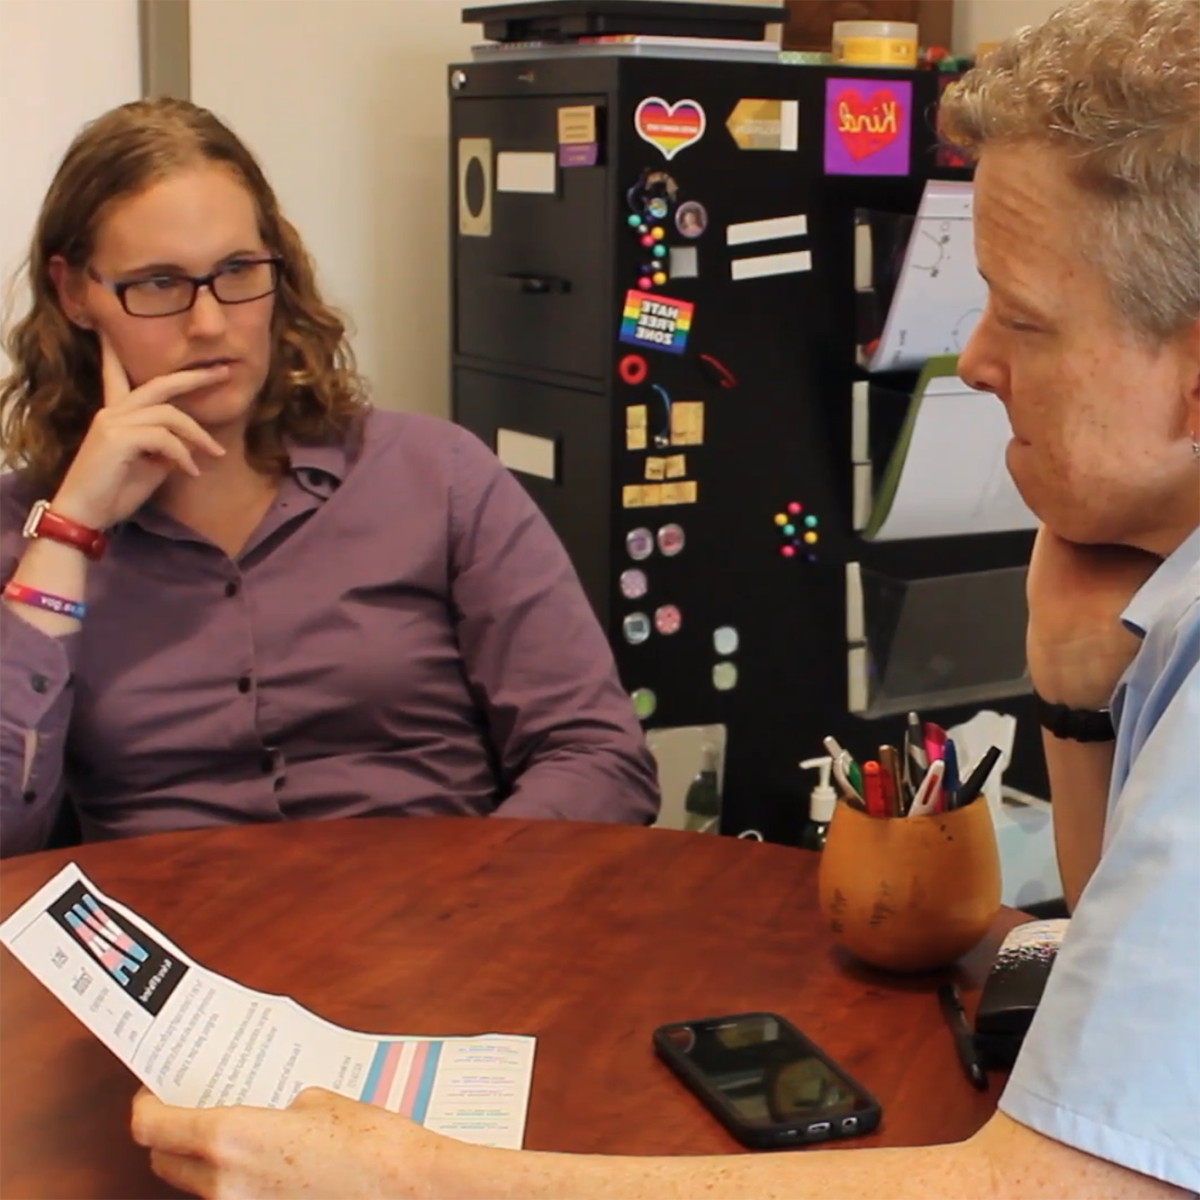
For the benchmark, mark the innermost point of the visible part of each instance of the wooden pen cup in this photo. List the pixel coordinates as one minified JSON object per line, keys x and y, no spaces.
{"x":910,"y":893}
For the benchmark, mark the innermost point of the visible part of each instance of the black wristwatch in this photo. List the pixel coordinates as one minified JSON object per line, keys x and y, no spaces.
{"x":1075,"y":724}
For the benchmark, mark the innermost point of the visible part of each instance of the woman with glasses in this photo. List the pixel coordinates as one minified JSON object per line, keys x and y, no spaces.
{"x":233,"y":591}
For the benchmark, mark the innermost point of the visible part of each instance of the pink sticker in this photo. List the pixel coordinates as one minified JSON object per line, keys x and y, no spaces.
{"x":868,"y":126}
{"x":667,"y":619}
{"x":669,"y":127}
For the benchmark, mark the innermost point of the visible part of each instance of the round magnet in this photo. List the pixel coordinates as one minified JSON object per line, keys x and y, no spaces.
{"x":633,"y":584}
{"x":780,"y":520}
{"x":810,"y":522}
{"x":647,"y":241}
{"x":725,"y":640}
{"x":658,"y":233}
{"x":644,"y":703}
{"x":659,"y":252}
{"x":671,"y":540}
{"x":667,"y":619}
{"x":634,"y":220}
{"x":810,"y":537}
{"x":639,"y":544}
{"x":636,"y":628}
{"x":795,"y":507}
{"x":788,"y":530}
{"x":657,"y":207}
{"x":787,"y":551}
{"x":691,"y":219}
{"x":645,"y":283}
{"x":632,"y":369}
{"x":658,"y":278}
{"x":724,"y":676}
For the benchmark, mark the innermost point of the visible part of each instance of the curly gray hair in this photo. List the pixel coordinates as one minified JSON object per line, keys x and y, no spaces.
{"x":1116,"y":84}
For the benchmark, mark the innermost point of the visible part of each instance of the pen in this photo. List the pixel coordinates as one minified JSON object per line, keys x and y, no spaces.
{"x":964,"y":1042}
{"x":925,"y":801}
{"x":933,"y":738}
{"x":872,"y":793}
{"x":978,"y":777}
{"x":950,"y":775}
{"x":893,"y":785}
{"x":914,"y":751}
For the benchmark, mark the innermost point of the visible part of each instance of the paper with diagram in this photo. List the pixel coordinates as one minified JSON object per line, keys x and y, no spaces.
{"x":200,"y":1040}
{"x":947,"y":474}
{"x":940,"y":294}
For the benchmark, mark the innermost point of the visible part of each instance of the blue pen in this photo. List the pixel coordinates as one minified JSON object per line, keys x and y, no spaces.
{"x":950,"y":777}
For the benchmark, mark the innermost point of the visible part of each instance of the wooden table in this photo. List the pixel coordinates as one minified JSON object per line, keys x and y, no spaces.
{"x":587,"y":936}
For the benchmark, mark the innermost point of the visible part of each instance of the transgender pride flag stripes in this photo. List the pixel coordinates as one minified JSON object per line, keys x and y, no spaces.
{"x":400,"y":1077}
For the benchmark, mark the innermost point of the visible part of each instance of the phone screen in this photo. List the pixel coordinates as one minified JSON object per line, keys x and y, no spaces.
{"x":765,"y":1072}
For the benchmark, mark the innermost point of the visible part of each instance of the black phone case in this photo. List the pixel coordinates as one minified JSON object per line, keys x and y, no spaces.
{"x":800,"y":1133}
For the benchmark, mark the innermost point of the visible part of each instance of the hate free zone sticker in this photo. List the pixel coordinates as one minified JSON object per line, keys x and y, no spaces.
{"x":656,"y":322}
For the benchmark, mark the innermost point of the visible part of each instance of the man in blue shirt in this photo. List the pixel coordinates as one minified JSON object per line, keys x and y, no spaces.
{"x":1087,"y":224}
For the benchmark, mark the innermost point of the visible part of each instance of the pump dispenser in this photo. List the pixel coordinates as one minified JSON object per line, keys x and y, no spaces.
{"x":822,"y":801}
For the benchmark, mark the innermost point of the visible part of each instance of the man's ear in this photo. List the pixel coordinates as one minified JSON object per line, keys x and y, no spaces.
{"x":71,"y":289}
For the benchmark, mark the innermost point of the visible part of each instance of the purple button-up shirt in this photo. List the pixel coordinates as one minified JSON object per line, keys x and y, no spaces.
{"x":403,"y":633}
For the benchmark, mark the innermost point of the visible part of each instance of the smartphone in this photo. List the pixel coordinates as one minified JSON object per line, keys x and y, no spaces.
{"x":765,"y":1081}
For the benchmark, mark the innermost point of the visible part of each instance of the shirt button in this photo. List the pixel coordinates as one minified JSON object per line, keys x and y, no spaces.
{"x":39,"y":683}
{"x":231,"y":589}
{"x":29,"y":796}
{"x":243,"y":684}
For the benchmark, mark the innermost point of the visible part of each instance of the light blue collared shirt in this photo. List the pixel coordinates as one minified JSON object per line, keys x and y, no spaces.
{"x":1111,"y":1063}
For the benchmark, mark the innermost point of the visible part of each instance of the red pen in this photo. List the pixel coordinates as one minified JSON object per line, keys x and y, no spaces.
{"x":873,"y":790}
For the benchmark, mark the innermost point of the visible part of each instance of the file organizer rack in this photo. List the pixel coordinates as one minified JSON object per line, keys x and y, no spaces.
{"x":746,"y":406}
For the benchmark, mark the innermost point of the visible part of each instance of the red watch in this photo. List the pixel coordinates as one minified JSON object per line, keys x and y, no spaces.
{"x":42,"y":523}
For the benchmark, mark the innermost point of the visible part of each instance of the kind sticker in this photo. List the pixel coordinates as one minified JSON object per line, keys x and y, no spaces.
{"x":868,"y":126}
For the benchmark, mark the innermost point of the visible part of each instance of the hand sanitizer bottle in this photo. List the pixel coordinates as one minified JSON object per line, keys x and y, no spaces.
{"x":822,"y":801}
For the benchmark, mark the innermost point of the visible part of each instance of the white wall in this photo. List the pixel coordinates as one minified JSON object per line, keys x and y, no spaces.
{"x":978,"y":21}
{"x":62,"y":62}
{"x":344,"y":104}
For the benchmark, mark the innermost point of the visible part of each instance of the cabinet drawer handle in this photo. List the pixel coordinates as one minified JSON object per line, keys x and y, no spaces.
{"x":535,"y":285}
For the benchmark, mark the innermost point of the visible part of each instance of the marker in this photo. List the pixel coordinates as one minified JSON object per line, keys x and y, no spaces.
{"x":964,"y":1042}
{"x":933,"y":738}
{"x":873,"y":790}
{"x":978,"y":777}
{"x":924,"y":801}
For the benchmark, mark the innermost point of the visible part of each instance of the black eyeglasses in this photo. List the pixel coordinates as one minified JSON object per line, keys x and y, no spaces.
{"x":166,"y":293}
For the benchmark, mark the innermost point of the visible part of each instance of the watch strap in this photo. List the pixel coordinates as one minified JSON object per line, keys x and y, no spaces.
{"x":45,"y":523}
{"x":1075,"y":724}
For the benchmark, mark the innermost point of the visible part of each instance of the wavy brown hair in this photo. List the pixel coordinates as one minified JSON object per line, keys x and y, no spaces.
{"x":312,"y":393}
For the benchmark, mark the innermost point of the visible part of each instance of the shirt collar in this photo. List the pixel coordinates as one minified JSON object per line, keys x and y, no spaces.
{"x":318,"y":469}
{"x":1162,"y":589}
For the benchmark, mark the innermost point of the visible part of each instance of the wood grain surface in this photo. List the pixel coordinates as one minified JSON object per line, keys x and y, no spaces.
{"x":586,"y":936}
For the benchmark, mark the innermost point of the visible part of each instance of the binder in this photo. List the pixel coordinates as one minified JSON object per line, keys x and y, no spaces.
{"x":945,"y":472}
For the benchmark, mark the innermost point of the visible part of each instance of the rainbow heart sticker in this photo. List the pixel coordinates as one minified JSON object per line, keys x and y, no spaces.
{"x":669,"y":127}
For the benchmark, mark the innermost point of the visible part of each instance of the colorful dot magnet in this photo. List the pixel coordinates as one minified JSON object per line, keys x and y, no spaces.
{"x":639,"y":544}
{"x":667,"y":619}
{"x":645,"y":283}
{"x":788,"y":551}
{"x":636,"y":628}
{"x":795,"y":507}
{"x":634,"y":584}
{"x":780,"y":520}
{"x":810,"y":522}
{"x":644,"y":703}
{"x":647,"y":241}
{"x":810,"y":537}
{"x":659,"y":252}
{"x":789,"y":530}
{"x":632,"y":369}
{"x":635,"y":221}
{"x":671,"y":540}
{"x":658,"y":278}
{"x":725,"y":676}
{"x":658,"y":233}
{"x":725,"y":640}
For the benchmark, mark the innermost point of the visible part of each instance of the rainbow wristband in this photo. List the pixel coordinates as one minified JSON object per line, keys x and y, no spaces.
{"x":20,"y":594}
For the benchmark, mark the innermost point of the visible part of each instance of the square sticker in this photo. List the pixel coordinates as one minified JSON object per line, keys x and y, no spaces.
{"x":656,"y":322}
{"x":868,"y":126}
